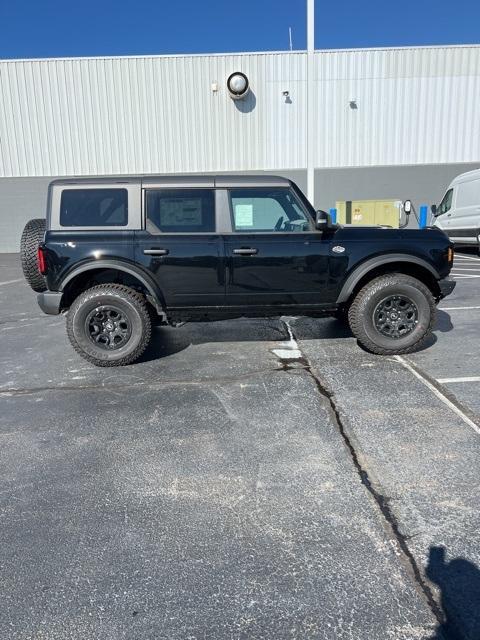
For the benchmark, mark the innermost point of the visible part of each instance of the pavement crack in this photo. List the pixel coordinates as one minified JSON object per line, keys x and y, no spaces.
{"x":94,"y":386}
{"x":391,"y":523}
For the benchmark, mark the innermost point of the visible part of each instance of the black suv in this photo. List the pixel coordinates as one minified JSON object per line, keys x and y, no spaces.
{"x":122,"y":254}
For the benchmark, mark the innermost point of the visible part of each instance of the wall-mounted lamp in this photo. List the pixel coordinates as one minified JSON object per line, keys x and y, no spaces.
{"x":238,"y":85}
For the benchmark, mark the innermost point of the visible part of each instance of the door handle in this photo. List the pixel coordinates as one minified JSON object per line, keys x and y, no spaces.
{"x":156,"y":252}
{"x":246,"y":252}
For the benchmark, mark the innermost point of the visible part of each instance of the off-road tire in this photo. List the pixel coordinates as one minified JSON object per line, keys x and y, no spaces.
{"x":131,"y":303}
{"x":362,"y":309}
{"x":32,"y":235}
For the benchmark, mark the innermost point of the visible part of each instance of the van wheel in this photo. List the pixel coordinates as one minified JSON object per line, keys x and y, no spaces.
{"x":109,"y":325}
{"x":392,"y":314}
{"x":33,"y":234}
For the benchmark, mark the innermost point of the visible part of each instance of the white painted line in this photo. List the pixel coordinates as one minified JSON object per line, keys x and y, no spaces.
{"x":463,"y":276}
{"x":457,"y":308}
{"x":465,"y":379}
{"x":462,"y":257}
{"x":11,"y":281}
{"x":439,"y":395}
{"x":467,"y":268}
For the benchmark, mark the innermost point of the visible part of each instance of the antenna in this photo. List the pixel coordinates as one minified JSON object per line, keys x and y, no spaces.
{"x":290,"y":37}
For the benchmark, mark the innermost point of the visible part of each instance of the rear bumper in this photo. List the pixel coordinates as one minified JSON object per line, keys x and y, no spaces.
{"x":50,"y":301}
{"x":447,"y":285}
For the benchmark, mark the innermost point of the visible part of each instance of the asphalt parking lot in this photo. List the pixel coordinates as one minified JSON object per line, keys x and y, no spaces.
{"x":246,"y":479}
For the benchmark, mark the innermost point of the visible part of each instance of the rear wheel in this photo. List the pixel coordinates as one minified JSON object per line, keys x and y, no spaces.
{"x":392,"y":314}
{"x":109,"y":325}
{"x":33,"y":234}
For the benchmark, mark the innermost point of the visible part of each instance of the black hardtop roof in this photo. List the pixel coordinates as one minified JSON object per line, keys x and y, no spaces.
{"x":172,"y":181}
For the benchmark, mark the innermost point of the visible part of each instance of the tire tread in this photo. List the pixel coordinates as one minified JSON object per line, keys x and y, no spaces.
{"x":355,"y":313}
{"x":122,"y":291}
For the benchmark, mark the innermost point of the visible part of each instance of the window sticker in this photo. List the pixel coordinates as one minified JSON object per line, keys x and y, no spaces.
{"x":180,"y":212}
{"x":244,"y":215}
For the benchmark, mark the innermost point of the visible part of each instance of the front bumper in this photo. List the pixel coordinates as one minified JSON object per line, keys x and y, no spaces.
{"x":50,"y":301}
{"x":447,"y":285}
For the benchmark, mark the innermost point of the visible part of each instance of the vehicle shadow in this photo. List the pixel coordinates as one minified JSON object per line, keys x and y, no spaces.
{"x":167,"y":341}
{"x":459,"y":584}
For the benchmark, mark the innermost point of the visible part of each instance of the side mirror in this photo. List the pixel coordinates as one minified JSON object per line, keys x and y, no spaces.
{"x":322,"y":220}
{"x":434,"y":209}
{"x":407,"y":207}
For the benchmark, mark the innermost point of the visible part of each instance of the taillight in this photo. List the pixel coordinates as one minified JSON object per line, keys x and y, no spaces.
{"x":41,"y":261}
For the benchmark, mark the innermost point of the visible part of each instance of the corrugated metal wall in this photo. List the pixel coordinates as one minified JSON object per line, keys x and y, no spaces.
{"x":159,"y":114}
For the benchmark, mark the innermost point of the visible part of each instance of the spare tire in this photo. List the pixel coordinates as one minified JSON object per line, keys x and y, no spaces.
{"x":32,"y":235}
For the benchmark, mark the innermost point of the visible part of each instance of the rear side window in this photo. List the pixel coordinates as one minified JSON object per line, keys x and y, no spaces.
{"x":180,"y":210}
{"x":94,"y":208}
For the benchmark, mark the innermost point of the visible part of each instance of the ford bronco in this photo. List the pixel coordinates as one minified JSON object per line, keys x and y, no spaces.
{"x":120,"y":255}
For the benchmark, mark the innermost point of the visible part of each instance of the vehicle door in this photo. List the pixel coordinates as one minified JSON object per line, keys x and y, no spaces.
{"x":274,"y":254}
{"x":180,"y":246}
{"x":444,"y":212}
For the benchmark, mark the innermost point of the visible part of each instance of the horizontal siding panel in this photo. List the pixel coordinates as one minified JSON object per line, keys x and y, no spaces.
{"x":104,"y":116}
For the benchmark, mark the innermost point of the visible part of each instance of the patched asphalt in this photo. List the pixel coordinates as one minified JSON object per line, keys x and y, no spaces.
{"x":222,"y":489}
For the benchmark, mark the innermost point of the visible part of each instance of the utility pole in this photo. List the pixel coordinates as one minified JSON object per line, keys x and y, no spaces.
{"x":311,"y":128}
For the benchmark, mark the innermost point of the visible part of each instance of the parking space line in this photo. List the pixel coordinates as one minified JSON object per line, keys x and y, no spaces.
{"x":457,"y":308}
{"x":466,"y":256}
{"x":463,"y":276}
{"x":10,"y":281}
{"x":464,"y":379}
{"x":439,"y":394}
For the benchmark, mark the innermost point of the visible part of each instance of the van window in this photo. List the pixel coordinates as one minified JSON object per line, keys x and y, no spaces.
{"x":446,"y":203}
{"x":468,"y":194}
{"x":94,"y":208}
{"x":180,"y":210}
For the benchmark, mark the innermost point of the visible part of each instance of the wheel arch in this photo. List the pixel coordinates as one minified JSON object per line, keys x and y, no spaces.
{"x":392,"y":263}
{"x":116,"y":271}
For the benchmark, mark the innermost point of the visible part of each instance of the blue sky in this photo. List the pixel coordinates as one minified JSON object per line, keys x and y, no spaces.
{"x":55,"y":28}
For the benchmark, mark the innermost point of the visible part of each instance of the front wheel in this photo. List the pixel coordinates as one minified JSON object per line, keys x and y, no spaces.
{"x":109,"y":325}
{"x":392,"y":314}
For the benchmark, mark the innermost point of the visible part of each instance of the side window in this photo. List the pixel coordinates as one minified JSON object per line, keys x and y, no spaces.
{"x":267,"y":210}
{"x":94,"y":208}
{"x":180,"y":210}
{"x":468,"y":194}
{"x":446,"y":203}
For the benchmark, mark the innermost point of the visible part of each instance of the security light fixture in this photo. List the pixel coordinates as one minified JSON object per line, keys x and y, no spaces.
{"x":238,"y":85}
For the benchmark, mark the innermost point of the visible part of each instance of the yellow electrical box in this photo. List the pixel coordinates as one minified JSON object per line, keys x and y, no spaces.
{"x":368,"y":212}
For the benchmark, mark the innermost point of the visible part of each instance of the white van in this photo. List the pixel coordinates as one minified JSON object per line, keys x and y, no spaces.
{"x":458,"y":214}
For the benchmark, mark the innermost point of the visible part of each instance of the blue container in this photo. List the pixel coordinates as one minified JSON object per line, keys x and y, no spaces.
{"x":423,"y":216}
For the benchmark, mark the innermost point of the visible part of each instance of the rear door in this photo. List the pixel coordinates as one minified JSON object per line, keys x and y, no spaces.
{"x":275,"y":257}
{"x":180,"y":246}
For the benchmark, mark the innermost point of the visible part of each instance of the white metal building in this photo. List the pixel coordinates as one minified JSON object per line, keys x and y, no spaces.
{"x":389,"y":123}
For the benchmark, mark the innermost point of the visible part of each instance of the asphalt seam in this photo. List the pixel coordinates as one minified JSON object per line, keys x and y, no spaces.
{"x":382,"y":501}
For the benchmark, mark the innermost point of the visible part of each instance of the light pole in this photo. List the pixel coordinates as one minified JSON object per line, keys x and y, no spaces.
{"x":311,"y":139}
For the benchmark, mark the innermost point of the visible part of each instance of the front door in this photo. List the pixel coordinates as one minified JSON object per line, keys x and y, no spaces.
{"x":275,"y":257}
{"x":180,"y":246}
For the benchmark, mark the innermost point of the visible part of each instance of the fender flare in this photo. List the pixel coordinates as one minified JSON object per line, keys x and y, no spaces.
{"x":120,"y":265}
{"x":361,"y":270}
